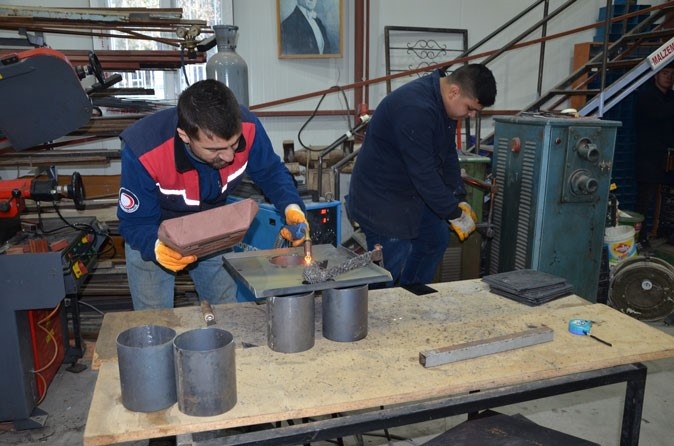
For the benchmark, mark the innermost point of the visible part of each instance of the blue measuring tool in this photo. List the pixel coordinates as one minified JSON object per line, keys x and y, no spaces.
{"x":583,"y":327}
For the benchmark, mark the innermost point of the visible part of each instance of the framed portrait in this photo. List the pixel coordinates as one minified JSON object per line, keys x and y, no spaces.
{"x":309,"y":28}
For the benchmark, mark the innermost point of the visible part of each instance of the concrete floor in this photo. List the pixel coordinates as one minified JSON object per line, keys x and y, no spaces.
{"x":594,"y":415}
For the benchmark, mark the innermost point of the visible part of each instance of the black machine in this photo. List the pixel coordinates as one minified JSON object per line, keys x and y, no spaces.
{"x":43,"y":262}
{"x":36,"y":281}
{"x":43,"y":187}
{"x":42,"y":96}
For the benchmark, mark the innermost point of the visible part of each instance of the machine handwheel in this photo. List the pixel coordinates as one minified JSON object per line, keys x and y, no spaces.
{"x":76,"y":190}
{"x":96,"y":67}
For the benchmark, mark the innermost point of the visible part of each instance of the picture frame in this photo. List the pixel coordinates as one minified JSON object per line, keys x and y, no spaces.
{"x":298,"y":39}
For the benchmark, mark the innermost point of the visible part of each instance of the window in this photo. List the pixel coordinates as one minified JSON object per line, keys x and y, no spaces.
{"x":166,"y":84}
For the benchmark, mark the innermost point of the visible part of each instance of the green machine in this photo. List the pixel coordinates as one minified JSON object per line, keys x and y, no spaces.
{"x":552,"y":176}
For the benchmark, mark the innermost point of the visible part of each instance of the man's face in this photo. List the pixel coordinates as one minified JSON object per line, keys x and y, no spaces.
{"x":212,"y":150}
{"x":309,"y":4}
{"x":459,"y":106}
{"x":664,"y":79}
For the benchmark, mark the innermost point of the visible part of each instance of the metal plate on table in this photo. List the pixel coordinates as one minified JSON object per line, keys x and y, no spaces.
{"x":278,"y":272}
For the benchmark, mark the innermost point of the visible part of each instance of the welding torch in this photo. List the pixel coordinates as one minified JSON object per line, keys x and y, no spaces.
{"x":299,"y":233}
{"x":308,"y":246}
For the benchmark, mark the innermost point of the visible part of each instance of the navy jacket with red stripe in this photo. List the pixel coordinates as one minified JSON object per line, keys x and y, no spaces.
{"x":160,"y":179}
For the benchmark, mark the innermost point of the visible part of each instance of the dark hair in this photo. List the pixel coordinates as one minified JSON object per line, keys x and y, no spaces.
{"x":476,"y":81}
{"x":211,"y":107}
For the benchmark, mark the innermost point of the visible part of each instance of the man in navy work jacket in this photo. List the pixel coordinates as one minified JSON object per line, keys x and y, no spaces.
{"x":185,"y":160}
{"x":406,"y":184}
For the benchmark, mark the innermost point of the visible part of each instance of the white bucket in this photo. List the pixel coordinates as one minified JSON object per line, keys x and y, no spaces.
{"x":620,"y":243}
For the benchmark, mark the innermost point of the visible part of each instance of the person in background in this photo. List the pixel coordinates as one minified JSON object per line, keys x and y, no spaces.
{"x":654,"y":124}
{"x":302,"y":32}
{"x":184,"y":160}
{"x":406,"y":184}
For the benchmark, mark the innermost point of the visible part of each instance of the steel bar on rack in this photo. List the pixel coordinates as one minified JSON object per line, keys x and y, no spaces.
{"x":133,"y":60}
{"x":84,"y":32}
{"x":98,"y":14}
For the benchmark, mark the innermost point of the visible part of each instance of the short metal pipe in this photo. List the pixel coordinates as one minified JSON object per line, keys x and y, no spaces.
{"x":205,"y":371}
{"x":290,"y":323}
{"x":345,"y":313}
{"x":146,"y":373}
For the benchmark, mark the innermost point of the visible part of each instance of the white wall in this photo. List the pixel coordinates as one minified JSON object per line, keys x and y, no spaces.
{"x":271,"y":78}
{"x":516,"y":73}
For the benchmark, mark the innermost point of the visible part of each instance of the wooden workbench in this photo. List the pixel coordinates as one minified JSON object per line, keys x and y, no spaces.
{"x":381,"y":370}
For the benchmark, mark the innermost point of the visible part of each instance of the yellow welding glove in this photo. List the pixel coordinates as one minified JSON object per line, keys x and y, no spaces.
{"x":295,"y":216}
{"x":465,"y":207}
{"x":464,"y":225}
{"x":296,"y":225}
{"x":171,"y":259}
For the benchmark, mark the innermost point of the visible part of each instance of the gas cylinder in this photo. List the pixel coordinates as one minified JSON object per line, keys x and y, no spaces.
{"x":226,"y":65}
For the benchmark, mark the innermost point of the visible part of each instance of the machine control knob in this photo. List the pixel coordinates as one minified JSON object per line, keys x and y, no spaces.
{"x":588,"y":151}
{"x":582,"y":183}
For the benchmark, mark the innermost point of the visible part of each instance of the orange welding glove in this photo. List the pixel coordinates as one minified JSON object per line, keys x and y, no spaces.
{"x":171,"y":259}
{"x":294,"y":217}
{"x":465,"y":224}
{"x":287,"y":235}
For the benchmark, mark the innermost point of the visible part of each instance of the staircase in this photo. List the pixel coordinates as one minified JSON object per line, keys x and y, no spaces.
{"x":626,"y":56}
{"x":604,"y":85}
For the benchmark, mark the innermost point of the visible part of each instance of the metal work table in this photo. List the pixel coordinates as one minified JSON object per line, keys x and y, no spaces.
{"x":356,"y":379}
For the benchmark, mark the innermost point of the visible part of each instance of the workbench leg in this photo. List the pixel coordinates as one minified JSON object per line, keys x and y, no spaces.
{"x":476,"y":414}
{"x":634,"y":404}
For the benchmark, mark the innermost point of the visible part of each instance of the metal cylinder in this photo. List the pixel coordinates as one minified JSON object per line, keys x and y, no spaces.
{"x":226,"y":65}
{"x":290,"y":323}
{"x":345,"y":313}
{"x":205,"y":371}
{"x":146,"y":371}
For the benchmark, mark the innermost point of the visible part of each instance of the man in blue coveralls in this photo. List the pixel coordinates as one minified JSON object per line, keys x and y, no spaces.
{"x":184,"y":160}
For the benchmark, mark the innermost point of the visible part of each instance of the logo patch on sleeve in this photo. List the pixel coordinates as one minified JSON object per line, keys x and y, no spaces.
{"x":128,"y":202}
